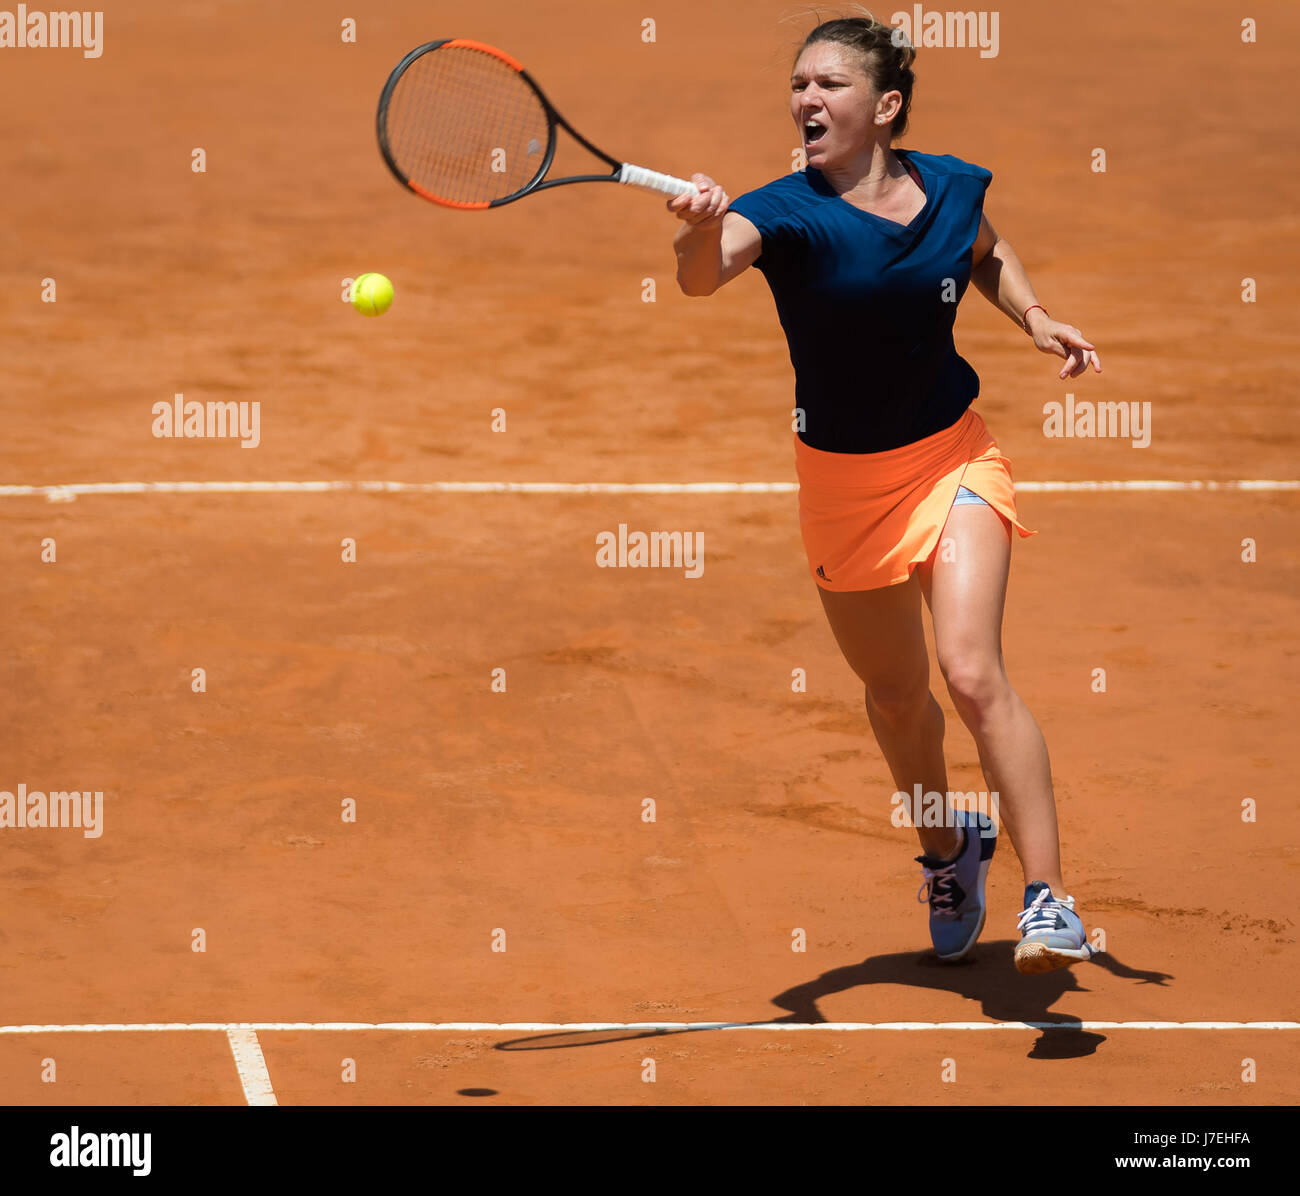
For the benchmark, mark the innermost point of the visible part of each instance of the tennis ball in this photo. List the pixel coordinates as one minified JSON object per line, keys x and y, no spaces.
{"x":372,"y":294}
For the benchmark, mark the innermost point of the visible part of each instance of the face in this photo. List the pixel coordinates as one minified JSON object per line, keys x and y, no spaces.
{"x":833,"y":104}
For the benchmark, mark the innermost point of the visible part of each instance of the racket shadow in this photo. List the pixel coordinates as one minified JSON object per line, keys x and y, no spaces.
{"x":564,"y":1039}
{"x":987,"y":976}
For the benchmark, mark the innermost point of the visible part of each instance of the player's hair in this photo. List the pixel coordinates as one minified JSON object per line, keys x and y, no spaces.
{"x":887,"y":56}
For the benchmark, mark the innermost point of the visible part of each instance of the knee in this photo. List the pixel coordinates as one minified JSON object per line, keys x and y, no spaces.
{"x":976,"y":682}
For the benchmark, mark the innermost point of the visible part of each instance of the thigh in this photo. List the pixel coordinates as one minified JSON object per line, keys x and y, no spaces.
{"x":881,"y":636}
{"x":965,"y":585}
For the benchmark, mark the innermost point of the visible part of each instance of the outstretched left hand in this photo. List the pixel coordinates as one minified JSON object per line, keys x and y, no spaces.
{"x":1065,"y":340}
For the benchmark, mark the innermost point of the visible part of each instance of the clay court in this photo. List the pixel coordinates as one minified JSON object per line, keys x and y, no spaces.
{"x":371,"y":941}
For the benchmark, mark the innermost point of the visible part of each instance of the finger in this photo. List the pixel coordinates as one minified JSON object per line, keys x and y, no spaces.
{"x":702,"y":181}
{"x":700,"y":202}
{"x":1072,"y":336}
{"x":1069,"y":366}
{"x":1096,"y":362}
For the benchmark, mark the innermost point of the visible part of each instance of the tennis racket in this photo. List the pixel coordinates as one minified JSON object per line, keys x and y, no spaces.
{"x":463,"y":124}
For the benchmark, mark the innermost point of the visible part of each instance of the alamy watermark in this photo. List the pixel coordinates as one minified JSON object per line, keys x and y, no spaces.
{"x":186,"y":420}
{"x":83,"y":1148}
{"x":60,"y":809}
{"x":947,"y":29}
{"x":928,"y":807}
{"x":1087,"y":420}
{"x":75,"y":30}
{"x":651,"y":550}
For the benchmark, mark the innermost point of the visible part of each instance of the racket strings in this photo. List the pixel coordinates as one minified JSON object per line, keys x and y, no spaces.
{"x":466,"y":127}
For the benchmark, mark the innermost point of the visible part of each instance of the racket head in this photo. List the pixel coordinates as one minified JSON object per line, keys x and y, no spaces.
{"x":462,"y":124}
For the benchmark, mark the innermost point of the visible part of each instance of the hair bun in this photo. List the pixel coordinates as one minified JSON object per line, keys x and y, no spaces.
{"x":903,"y":47}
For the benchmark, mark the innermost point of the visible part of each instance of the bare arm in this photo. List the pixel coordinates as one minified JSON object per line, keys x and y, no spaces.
{"x":712,"y":245}
{"x":1001,"y":279}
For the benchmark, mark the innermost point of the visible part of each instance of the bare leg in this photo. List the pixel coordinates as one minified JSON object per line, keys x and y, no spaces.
{"x":965,"y":586}
{"x":881,"y":636}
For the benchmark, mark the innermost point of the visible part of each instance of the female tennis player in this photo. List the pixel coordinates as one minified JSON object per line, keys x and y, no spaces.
{"x":903,"y":493}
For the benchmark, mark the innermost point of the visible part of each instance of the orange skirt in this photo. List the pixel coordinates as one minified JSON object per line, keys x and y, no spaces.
{"x":868,"y":519}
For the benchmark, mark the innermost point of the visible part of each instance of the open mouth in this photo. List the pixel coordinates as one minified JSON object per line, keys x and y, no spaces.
{"x":812,"y":132}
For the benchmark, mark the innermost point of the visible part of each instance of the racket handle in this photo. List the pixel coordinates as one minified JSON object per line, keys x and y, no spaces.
{"x":652,"y":180}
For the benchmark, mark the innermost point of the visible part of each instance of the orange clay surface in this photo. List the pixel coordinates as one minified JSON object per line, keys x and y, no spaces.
{"x":522,"y":810}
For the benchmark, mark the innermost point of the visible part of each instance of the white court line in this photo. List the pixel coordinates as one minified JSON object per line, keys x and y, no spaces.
{"x":71,"y":491}
{"x":251,"y":1065}
{"x":252,"y":1028}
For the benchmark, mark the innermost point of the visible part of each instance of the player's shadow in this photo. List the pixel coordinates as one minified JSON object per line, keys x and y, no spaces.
{"x":987,"y":975}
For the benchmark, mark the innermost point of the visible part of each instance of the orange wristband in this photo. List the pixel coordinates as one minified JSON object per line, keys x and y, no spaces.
{"x":1028,"y":310}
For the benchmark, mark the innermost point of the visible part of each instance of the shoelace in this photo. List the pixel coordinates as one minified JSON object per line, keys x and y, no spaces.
{"x":1044,"y":913}
{"x":937,"y":887}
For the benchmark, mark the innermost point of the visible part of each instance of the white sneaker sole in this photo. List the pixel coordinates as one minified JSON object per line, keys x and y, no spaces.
{"x":1033,"y":959}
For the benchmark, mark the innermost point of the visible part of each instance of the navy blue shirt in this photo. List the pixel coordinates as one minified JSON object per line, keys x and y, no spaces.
{"x":868,"y":304}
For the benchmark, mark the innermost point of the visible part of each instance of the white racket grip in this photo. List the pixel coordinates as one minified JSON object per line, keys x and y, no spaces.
{"x":652,"y":180}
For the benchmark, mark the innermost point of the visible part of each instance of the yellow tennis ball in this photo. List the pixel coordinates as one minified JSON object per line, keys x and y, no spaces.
{"x":372,"y":294}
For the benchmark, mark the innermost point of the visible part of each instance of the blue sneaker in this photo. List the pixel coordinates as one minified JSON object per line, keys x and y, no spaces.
{"x":955,"y":888}
{"x":1051,"y":932}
